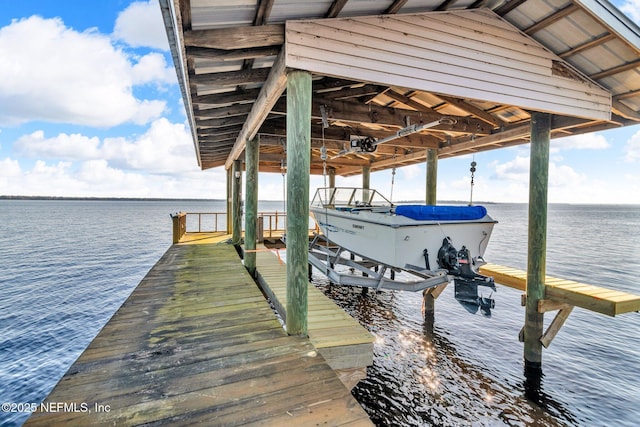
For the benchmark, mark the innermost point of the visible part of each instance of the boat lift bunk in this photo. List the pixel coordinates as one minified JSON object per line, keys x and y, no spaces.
{"x":327,"y":258}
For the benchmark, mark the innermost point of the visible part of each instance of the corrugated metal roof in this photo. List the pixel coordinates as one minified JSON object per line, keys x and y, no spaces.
{"x":224,"y":50}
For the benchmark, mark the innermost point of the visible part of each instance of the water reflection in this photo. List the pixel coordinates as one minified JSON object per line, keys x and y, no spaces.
{"x":422,"y":376}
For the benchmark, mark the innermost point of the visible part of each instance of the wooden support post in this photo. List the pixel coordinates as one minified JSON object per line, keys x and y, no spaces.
{"x":237,"y":202}
{"x":332,"y":177}
{"x":179,"y":226}
{"x":366,"y":182}
{"x":298,"y":170}
{"x":229,"y":200}
{"x":537,"y":239}
{"x":432,"y":175}
{"x":251,"y":208}
{"x":366,"y":177}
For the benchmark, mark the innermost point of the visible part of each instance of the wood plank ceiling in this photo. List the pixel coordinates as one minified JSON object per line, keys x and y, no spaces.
{"x":226,"y":62}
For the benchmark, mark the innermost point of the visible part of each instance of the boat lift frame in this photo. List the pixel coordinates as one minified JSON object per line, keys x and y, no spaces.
{"x":325,"y":255}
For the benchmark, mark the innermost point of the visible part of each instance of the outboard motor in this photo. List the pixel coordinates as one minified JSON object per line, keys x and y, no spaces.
{"x":459,"y":265}
{"x":448,"y":257}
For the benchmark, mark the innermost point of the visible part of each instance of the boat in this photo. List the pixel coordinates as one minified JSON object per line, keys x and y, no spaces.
{"x":437,"y":243}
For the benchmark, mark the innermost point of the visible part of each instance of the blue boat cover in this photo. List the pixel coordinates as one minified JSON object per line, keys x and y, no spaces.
{"x":441,"y":213}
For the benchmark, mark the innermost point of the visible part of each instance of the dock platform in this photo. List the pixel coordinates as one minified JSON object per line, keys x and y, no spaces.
{"x":594,"y":298}
{"x":197,"y":343}
{"x":345,"y":344}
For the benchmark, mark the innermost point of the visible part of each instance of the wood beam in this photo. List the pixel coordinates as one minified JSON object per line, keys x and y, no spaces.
{"x":335,"y":8}
{"x":349,"y":93}
{"x":236,"y":37}
{"x":262,"y":12}
{"x":472,"y":109}
{"x":223,"y":55}
{"x":521,"y":131}
{"x":555,"y":17}
{"x":555,"y":326}
{"x":185,"y":14}
{"x":406,"y":100}
{"x":342,"y":134}
{"x":508,"y":7}
{"x":616,"y":70}
{"x":588,"y":45}
{"x":219,"y":113}
{"x":269,"y":95}
{"x":395,"y":7}
{"x":353,"y":112}
{"x":445,"y":5}
{"x":219,"y":123}
{"x":226,"y":97}
{"x":231,"y":78}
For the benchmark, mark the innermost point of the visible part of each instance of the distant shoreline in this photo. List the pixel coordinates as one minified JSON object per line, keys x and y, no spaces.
{"x":161,"y":199}
{"x":116,"y":199}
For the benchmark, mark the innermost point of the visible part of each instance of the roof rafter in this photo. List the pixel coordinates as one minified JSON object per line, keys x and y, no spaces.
{"x":273,"y":87}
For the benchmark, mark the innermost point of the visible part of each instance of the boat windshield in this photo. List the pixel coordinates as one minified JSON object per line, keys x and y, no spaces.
{"x":349,"y":198}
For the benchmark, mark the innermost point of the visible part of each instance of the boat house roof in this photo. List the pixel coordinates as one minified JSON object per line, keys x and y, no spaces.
{"x":381,"y":65}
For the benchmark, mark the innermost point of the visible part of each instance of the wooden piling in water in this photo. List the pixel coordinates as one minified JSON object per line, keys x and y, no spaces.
{"x":432,"y":175}
{"x":229,"y":200}
{"x":298,"y":169}
{"x":251,"y":208}
{"x":237,"y":202}
{"x":537,"y":239}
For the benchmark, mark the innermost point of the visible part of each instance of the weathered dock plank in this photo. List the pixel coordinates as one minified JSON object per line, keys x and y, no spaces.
{"x":345,"y":344}
{"x":196,"y":342}
{"x":595,"y":298}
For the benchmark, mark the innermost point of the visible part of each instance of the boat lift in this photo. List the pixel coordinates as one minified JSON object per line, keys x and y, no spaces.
{"x":326,"y":256}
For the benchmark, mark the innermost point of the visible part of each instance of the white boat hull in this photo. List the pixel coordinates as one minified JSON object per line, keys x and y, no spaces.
{"x":399,"y":241}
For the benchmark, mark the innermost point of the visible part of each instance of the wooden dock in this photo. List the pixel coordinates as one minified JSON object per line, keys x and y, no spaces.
{"x":594,"y":298}
{"x":197,"y":343}
{"x":345,"y":344}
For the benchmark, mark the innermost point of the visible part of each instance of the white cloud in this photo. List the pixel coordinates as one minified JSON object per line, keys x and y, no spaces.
{"x":9,"y":168}
{"x":165,"y":148}
{"x":141,"y":25}
{"x":153,"y":68}
{"x":63,"y":146}
{"x":516,"y":170}
{"x":96,"y":178}
{"x":632,"y":9}
{"x":588,"y":141}
{"x":564,"y":176}
{"x":53,"y":73}
{"x":632,"y":148}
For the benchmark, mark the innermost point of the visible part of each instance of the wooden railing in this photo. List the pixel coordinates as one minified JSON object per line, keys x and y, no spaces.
{"x":270,"y":224}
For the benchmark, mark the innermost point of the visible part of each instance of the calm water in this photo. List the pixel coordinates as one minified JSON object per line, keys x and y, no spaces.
{"x":68,"y":265}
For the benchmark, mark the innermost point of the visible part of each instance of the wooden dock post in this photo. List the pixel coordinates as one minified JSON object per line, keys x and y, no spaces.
{"x":229,"y":200}
{"x":332,"y":177}
{"x":251,"y":208}
{"x":432,"y":175}
{"x":237,"y":202}
{"x":428,"y":298}
{"x":537,"y":240}
{"x":298,"y":170}
{"x":366,"y":177}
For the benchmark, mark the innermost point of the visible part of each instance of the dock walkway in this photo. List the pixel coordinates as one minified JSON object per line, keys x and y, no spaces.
{"x":196,"y":342}
{"x":345,"y":344}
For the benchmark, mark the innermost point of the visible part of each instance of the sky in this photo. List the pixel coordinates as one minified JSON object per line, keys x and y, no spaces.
{"x":90,"y":107}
